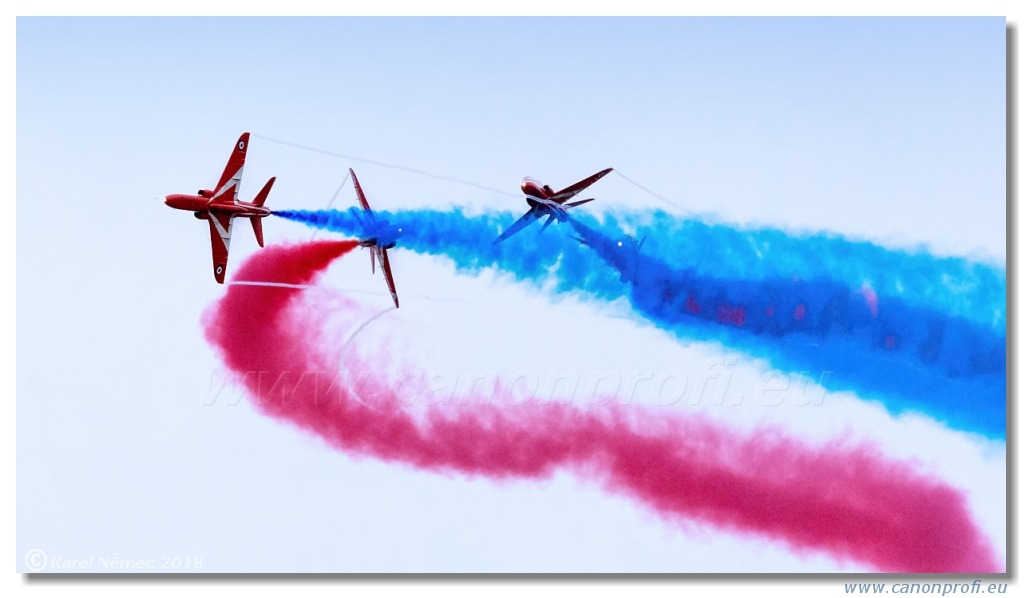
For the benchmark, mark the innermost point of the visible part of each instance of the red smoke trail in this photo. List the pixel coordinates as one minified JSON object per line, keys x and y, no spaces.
{"x":847,"y":501}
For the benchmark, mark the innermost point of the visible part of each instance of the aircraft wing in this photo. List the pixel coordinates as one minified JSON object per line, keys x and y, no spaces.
{"x":359,"y":191}
{"x":220,"y":241}
{"x":385,"y":265}
{"x":574,"y":189}
{"x":526,"y":220}
{"x":226,"y":190}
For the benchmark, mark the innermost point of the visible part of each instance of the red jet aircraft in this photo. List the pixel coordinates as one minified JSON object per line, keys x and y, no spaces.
{"x":545,"y":201}
{"x":221,"y":206}
{"x":377,"y":234}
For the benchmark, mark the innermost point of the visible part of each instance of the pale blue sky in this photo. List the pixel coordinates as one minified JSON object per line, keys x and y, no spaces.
{"x":886,"y":129}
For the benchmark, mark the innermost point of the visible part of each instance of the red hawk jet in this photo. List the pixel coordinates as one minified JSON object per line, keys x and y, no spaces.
{"x":220,"y":207}
{"x":378,"y":234}
{"x":545,"y":201}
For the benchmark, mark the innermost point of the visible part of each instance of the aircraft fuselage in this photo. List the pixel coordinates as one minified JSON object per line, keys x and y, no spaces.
{"x":203,"y":204}
{"x":537,"y":198}
{"x":374,"y":242}
{"x":375,"y":232}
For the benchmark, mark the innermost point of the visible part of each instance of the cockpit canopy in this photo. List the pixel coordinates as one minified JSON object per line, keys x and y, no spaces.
{"x":531,"y":186}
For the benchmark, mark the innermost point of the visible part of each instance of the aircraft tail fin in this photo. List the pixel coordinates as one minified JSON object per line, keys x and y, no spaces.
{"x":257,"y":229}
{"x":261,"y":197}
{"x":578,"y":203}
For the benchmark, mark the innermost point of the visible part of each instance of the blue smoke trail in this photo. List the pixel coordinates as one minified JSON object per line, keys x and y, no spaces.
{"x":914,"y":331}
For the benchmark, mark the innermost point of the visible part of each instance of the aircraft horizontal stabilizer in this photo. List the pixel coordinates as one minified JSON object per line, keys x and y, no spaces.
{"x":578,"y":203}
{"x":257,"y":229}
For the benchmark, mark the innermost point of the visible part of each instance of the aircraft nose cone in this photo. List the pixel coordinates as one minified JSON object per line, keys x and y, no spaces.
{"x":173,"y":200}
